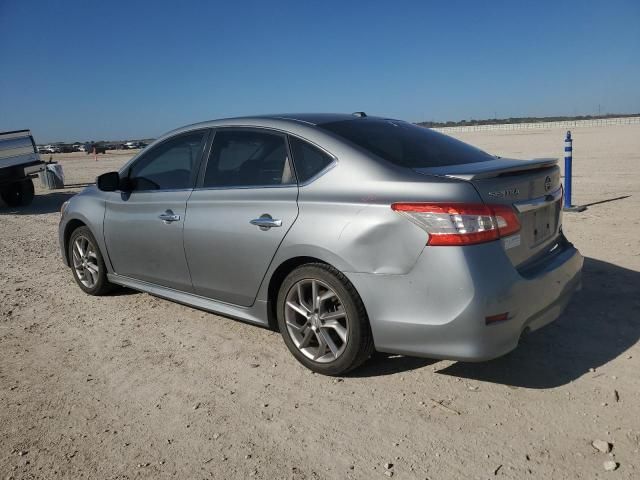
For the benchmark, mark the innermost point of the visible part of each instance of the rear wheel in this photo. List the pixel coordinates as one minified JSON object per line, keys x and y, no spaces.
{"x":18,"y":194}
{"x":87,"y":263}
{"x":323,"y":320}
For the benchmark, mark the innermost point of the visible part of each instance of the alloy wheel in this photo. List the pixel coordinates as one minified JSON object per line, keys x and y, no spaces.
{"x":316,"y":320}
{"x":85,"y":261}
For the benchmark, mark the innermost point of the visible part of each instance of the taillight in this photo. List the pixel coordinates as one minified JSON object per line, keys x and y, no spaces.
{"x":460,"y":223}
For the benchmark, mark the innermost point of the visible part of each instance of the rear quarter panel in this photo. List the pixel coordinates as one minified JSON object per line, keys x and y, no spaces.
{"x":345,"y":217}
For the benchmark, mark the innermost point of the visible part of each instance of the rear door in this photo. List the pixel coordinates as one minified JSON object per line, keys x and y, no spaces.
{"x":143,"y":227}
{"x":245,"y":203}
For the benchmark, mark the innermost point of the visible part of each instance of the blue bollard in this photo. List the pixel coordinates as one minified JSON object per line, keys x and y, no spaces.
{"x":568,"y":160}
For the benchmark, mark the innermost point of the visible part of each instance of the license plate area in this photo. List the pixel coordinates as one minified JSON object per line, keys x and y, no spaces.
{"x":543,"y":223}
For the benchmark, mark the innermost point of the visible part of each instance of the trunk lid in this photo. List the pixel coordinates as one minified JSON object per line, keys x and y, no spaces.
{"x":531,"y":187}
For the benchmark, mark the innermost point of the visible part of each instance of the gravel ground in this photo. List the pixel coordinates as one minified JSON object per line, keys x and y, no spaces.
{"x":131,"y":386}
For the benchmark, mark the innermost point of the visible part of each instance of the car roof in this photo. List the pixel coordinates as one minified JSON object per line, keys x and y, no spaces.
{"x":293,"y":121}
{"x":309,"y":119}
{"x":314,"y":118}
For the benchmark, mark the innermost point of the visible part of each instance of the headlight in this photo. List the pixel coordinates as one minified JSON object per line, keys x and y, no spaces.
{"x":63,"y":208}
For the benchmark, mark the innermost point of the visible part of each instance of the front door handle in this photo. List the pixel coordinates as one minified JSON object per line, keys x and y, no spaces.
{"x":169,"y":216}
{"x":265,"y":222}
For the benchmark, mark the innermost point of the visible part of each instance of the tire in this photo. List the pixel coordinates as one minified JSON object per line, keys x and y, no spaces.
{"x":347,"y":338}
{"x":18,"y":194}
{"x":88,"y":271}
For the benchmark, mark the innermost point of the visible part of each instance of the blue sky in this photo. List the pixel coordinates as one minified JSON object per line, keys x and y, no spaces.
{"x":112,"y":70}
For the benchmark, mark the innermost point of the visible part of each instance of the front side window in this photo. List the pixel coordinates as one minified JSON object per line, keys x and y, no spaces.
{"x":169,"y":166}
{"x":242,"y":158}
{"x":308,"y":160}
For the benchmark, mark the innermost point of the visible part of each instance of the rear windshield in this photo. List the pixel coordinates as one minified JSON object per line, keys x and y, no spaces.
{"x":405,"y":144}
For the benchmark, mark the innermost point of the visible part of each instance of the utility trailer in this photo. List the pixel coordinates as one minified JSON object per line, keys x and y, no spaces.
{"x":19,"y":163}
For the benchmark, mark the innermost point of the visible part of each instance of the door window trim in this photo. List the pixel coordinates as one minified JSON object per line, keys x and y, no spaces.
{"x":208,"y":134}
{"x":205,"y":161}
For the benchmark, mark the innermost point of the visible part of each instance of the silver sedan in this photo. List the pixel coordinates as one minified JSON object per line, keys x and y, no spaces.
{"x":348,"y":233}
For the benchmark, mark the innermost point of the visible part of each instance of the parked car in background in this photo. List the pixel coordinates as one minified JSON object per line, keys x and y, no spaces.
{"x":89,"y":148}
{"x":49,"y":149}
{"x":351,"y":233}
{"x":19,"y":162}
{"x":132,"y":145}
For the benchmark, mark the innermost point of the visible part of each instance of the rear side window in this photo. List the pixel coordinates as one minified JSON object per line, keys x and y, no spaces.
{"x":405,"y":144}
{"x":171,"y":165}
{"x":308,"y":160}
{"x":241,"y":158}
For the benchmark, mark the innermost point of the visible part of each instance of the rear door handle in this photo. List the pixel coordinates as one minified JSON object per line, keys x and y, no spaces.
{"x":265,"y":222}
{"x":169,"y":216}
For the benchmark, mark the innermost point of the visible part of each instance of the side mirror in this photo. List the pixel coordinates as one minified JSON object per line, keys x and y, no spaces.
{"x":108,"y":182}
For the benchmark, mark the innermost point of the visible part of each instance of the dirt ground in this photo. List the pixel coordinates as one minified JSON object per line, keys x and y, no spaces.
{"x":131,"y":386}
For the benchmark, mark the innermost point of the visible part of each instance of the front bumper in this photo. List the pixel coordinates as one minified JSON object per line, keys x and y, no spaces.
{"x":438,"y":310}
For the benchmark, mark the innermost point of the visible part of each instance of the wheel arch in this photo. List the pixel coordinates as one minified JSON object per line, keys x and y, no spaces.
{"x":276,"y":279}
{"x":69,"y":228}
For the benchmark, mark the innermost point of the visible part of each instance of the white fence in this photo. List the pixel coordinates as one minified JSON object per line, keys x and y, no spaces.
{"x":543,"y":125}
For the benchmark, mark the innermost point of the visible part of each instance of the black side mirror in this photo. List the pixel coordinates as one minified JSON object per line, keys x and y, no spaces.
{"x":108,"y":182}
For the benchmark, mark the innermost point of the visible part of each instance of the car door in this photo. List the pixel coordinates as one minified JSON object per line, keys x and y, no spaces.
{"x":245,"y":203}
{"x":143,"y":226}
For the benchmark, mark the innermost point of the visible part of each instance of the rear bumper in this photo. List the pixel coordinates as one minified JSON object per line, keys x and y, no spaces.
{"x":19,"y":172}
{"x":438,"y":310}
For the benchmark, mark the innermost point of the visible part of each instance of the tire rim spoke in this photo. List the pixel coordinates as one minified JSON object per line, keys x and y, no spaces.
{"x":306,"y":339}
{"x":338,"y":328}
{"x":327,"y":295}
{"x":301,"y":298}
{"x":328,"y":341}
{"x":315,"y":303}
{"x":296,"y":327}
{"x":92,"y":268}
{"x":76,"y":259}
{"x":322,"y":347}
{"x":298,"y":308}
{"x":333,"y":315}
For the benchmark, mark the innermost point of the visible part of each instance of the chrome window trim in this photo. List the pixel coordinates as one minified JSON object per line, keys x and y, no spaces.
{"x":137,"y":192}
{"x":247,"y":187}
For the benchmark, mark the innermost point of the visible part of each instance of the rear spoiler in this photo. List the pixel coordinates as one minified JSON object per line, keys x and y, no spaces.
{"x":497,"y":167}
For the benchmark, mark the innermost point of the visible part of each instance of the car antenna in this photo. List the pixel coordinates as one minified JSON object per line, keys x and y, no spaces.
{"x":359,"y":114}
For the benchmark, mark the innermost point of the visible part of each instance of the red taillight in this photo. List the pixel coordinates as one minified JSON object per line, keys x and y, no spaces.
{"x":501,"y":317}
{"x":460,"y":223}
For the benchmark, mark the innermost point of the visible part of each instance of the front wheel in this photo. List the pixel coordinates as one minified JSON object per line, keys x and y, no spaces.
{"x":323,"y":320}
{"x":87,"y":263}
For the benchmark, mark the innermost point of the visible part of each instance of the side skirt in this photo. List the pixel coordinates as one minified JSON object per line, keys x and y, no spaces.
{"x":256,"y":314}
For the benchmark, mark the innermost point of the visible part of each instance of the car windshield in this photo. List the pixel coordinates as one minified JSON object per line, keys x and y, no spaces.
{"x":405,"y":144}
